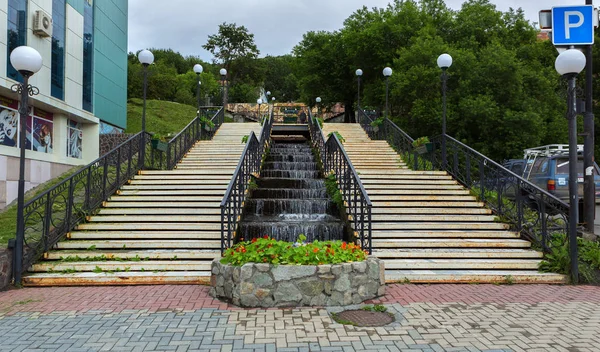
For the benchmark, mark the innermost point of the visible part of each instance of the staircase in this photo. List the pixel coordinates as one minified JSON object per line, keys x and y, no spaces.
{"x":428,"y":228}
{"x":161,"y":228}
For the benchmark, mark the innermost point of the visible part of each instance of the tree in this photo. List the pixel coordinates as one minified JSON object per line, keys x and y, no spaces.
{"x":232,"y":44}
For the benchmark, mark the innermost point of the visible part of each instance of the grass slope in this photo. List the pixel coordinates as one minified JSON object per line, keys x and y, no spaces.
{"x":163,"y":117}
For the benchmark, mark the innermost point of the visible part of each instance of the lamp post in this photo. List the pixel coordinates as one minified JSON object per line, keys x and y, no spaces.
{"x":223,"y":73}
{"x":146,"y":59}
{"x":259,"y":102}
{"x":198,"y":69}
{"x":27,"y":61}
{"x":569,"y":64}
{"x":589,"y":188}
{"x":318,"y":100}
{"x":359,"y":73}
{"x":444,"y":61}
{"x":387,"y":72}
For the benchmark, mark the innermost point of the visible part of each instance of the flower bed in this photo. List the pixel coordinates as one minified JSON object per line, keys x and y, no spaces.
{"x":269,"y":273}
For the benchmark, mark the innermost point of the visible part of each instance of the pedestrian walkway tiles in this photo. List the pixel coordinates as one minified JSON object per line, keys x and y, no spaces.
{"x":182,"y":318}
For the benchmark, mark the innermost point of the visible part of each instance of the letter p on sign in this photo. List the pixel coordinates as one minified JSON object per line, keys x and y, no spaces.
{"x":573,"y":25}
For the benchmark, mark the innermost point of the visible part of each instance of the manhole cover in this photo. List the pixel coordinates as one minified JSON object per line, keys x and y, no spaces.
{"x":361,"y":317}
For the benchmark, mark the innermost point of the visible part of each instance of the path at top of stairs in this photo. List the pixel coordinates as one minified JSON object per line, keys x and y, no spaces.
{"x":428,"y":228}
{"x":163,"y":227}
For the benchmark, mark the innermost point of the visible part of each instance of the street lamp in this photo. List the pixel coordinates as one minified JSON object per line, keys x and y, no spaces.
{"x":318,"y":100}
{"x":198,"y":69}
{"x":259,"y":102}
{"x":387,"y":72}
{"x":146,"y":59}
{"x":27,"y":61}
{"x":359,"y":73}
{"x":223,"y":73}
{"x":569,"y":64}
{"x":444,"y":61}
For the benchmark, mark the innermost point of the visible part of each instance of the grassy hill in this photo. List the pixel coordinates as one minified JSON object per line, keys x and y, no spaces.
{"x":162,"y":117}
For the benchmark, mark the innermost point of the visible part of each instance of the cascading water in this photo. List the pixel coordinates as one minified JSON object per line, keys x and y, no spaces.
{"x":291,"y":199}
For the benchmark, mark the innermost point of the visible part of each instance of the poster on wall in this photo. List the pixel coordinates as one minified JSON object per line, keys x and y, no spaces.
{"x":75,"y":140}
{"x":9,"y":122}
{"x":41,"y":133}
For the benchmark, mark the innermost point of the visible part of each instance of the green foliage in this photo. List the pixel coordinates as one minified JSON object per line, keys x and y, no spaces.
{"x":320,"y":121}
{"x":377,"y":122}
{"x":333,"y":191}
{"x":245,"y":139}
{"x":420,"y":141}
{"x":206,"y":122}
{"x":338,"y":135}
{"x":558,"y":260}
{"x":271,"y":251}
{"x":162,"y":117}
{"x":376,"y":308}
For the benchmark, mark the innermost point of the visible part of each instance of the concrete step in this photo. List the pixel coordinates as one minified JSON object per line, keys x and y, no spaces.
{"x":462,"y":264}
{"x":173,"y":192}
{"x":443,"y":234}
{"x":197,"y":173}
{"x":420,"y":225}
{"x":371,"y":182}
{"x":166,"y":199}
{"x":404,"y":175}
{"x":119,"y":278}
{"x":416,"y":187}
{"x":150,"y":226}
{"x":124,"y":254}
{"x":160,"y":211}
{"x":155,"y":187}
{"x":385,"y":204}
{"x":161,"y":205}
{"x":438,"y":192}
{"x":138,"y":244}
{"x":474,"y":276}
{"x":141,"y":235}
{"x":174,"y":182}
{"x":150,"y":218}
{"x":432,"y":218}
{"x":420,"y":198}
{"x":383,"y":212}
{"x":125,"y":266}
{"x":450,"y":243}
{"x":199,"y":176}
{"x":399,"y":253}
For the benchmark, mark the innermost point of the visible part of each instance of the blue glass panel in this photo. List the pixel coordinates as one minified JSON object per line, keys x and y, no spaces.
{"x":58,"y":49}
{"x":17,"y":33}
{"x":88,"y":55}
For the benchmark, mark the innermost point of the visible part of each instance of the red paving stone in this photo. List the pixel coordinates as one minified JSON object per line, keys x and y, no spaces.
{"x":189,"y":297}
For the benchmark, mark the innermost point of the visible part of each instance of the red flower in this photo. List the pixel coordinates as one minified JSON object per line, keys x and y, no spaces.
{"x":254,"y":240}
{"x":344,"y":245}
{"x":266,"y":237}
{"x":316,"y":250}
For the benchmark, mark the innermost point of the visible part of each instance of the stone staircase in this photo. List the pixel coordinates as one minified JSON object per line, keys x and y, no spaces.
{"x":161,"y":228}
{"x":428,"y":228}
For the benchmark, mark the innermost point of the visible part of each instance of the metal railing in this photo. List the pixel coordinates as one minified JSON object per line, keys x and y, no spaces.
{"x":527,"y":208}
{"x":51,"y":215}
{"x":356,"y":200}
{"x":249,"y":165}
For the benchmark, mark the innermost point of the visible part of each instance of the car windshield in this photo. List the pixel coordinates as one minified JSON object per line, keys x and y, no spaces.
{"x":562,"y":166}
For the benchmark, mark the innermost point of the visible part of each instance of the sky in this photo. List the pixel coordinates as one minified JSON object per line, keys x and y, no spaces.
{"x":277,"y":25}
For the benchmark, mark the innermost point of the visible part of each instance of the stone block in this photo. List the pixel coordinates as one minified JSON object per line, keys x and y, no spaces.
{"x":310,"y":287}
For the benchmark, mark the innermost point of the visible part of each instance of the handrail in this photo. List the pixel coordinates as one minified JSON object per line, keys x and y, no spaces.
{"x":52,"y":214}
{"x":235,"y":195}
{"x":356,"y":199}
{"x":530,"y":210}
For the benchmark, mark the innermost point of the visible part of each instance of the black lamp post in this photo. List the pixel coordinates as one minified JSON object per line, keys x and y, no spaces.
{"x":387,"y":72}
{"x":318,"y":100}
{"x":223,"y":73}
{"x":198,"y":69}
{"x":27,"y":61}
{"x":359,"y":73}
{"x":146,"y":59}
{"x":259,"y":102}
{"x":569,"y":64}
{"x":444,"y":61}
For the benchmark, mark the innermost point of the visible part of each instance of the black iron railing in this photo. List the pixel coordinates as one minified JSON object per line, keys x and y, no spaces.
{"x":233,"y":201}
{"x":356,"y":200}
{"x":51,"y":215}
{"x":529,"y":210}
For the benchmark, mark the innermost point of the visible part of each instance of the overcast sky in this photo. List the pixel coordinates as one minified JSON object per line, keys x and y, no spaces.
{"x":278,"y":25}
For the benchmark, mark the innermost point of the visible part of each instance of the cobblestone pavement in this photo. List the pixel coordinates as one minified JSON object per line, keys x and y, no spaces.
{"x":181,"y":318}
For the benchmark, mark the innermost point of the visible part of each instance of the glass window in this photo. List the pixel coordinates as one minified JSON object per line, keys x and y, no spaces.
{"x":40,"y":131}
{"x":17,"y":33}
{"x":562,"y":167}
{"x":88,"y":54}
{"x":74,"y":140}
{"x":517,"y":168}
{"x":58,"y":49}
{"x":9,"y":122}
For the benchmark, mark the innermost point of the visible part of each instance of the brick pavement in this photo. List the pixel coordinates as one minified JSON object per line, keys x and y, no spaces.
{"x":179,"y":318}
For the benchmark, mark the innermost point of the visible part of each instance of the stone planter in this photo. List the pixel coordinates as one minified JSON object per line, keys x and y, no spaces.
{"x":265,"y":285}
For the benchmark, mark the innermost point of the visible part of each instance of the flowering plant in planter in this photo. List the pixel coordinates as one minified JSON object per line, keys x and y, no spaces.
{"x":271,"y":251}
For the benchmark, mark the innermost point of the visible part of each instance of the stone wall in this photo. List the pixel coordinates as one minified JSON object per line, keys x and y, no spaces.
{"x":265,"y":285}
{"x":6,"y":258}
{"x":111,"y":140}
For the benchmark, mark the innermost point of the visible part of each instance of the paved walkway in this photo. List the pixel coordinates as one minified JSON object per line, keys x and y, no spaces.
{"x":181,"y":318}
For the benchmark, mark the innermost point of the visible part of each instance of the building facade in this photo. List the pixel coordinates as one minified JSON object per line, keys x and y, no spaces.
{"x":82,"y":85}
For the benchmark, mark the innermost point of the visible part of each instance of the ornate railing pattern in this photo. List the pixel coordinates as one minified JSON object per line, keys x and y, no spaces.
{"x":529,"y":210}
{"x":51,"y":215}
{"x":356,"y":200}
{"x":249,"y":165}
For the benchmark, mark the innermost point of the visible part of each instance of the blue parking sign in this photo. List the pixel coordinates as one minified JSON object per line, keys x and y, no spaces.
{"x":573,"y":25}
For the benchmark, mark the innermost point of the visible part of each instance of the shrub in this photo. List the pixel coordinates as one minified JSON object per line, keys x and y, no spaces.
{"x":207,"y":122}
{"x":420,"y":141}
{"x":270,"y":251}
{"x":338,"y":135}
{"x":558,"y":260}
{"x":377,"y":122}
